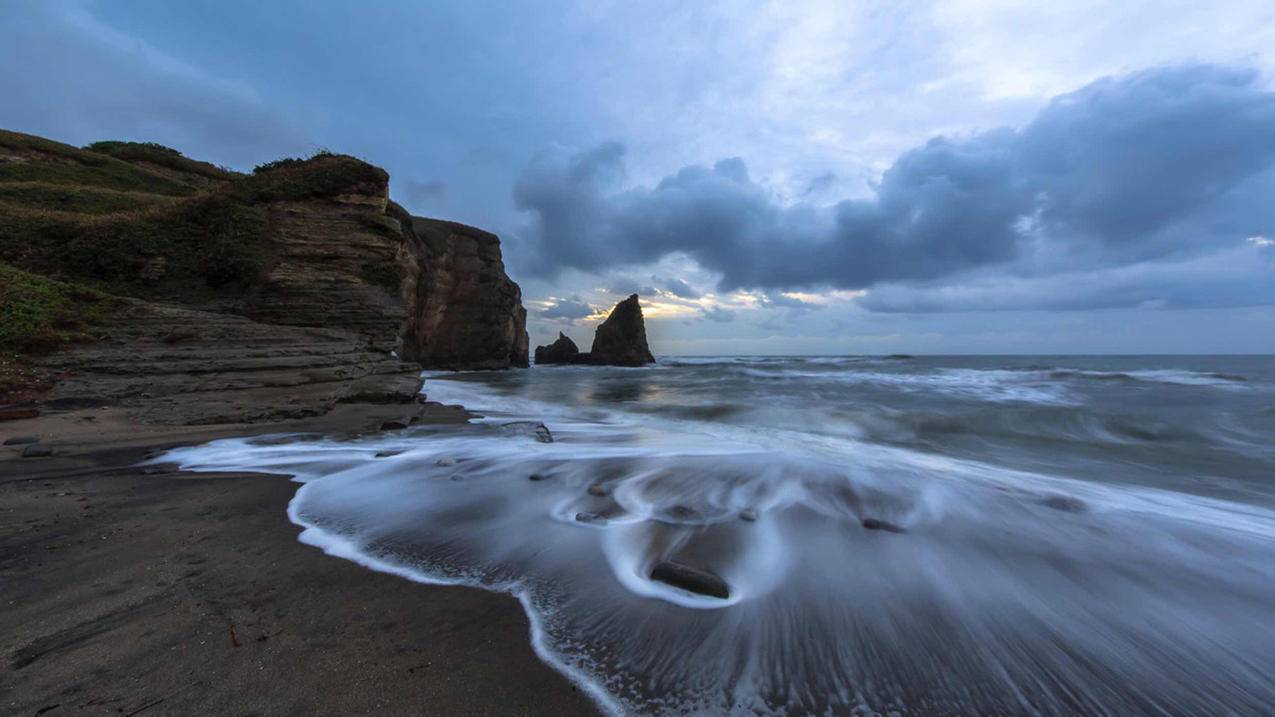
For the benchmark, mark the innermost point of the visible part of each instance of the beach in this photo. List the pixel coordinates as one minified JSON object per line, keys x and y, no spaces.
{"x":146,"y":590}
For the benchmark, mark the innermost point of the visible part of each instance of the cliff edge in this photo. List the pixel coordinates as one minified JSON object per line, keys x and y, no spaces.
{"x":131,"y":275}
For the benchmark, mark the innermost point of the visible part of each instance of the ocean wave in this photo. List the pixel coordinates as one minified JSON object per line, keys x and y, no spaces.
{"x":859,"y":576}
{"x":1169,"y":376}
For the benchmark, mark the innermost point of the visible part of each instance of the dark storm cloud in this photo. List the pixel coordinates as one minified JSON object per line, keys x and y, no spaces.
{"x":1159,"y":164}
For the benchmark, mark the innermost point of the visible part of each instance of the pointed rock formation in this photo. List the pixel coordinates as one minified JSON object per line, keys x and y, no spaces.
{"x":561,"y":351}
{"x":621,"y":339}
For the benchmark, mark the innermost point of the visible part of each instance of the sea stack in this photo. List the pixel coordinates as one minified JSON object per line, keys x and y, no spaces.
{"x":619,"y":341}
{"x":561,"y":351}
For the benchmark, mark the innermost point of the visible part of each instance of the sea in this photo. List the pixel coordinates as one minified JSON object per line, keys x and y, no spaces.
{"x":1045,"y":535}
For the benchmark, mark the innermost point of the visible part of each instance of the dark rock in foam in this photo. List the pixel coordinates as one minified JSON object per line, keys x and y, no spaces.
{"x":695,"y":580}
{"x":529,"y":428}
{"x":878,"y":524}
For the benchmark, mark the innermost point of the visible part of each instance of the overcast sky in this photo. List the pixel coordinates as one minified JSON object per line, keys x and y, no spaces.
{"x":772,"y":177}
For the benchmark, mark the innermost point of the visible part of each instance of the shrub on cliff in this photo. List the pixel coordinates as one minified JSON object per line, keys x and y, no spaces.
{"x":208,"y":240}
{"x":35,"y":159}
{"x":161,"y":156}
{"x":322,"y":175}
{"x":40,"y":313}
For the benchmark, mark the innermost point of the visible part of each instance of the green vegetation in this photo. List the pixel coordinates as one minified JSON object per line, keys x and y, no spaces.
{"x":25,"y":158}
{"x":210,"y":239}
{"x":90,"y":216}
{"x":38,"y":313}
{"x":68,"y":198}
{"x":323,"y":175}
{"x":161,"y":156}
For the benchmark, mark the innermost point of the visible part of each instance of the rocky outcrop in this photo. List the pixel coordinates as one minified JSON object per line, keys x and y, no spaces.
{"x":171,"y":365}
{"x":262,"y":296}
{"x":466,"y":312}
{"x":621,"y":339}
{"x":561,"y":351}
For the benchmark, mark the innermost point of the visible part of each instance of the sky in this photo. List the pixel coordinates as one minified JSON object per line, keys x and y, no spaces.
{"x":822,"y":177}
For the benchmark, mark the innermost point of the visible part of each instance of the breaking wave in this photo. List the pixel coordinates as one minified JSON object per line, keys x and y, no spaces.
{"x":872,"y":555}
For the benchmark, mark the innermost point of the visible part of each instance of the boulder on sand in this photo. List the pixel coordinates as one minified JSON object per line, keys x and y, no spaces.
{"x":561,"y":351}
{"x":690,"y":579}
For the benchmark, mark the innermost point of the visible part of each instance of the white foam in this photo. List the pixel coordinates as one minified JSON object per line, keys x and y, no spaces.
{"x":823,"y":615}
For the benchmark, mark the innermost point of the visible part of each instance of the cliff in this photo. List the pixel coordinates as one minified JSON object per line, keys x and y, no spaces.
{"x":132,"y":275}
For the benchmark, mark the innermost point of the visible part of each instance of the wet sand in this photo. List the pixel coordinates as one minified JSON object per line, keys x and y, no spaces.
{"x":142,"y":591}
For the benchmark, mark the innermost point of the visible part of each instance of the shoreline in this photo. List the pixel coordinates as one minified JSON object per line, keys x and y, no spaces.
{"x":145,"y":589}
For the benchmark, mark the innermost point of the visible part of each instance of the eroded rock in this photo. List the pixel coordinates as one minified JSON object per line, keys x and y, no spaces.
{"x":563,"y":350}
{"x":535,"y":429}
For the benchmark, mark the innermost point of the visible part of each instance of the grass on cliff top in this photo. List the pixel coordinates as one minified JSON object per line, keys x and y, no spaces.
{"x":69,"y":198}
{"x":38,"y":313}
{"x":323,"y":175}
{"x":159,"y":155}
{"x":209,"y":240}
{"x":90,"y":217}
{"x":27,"y":158}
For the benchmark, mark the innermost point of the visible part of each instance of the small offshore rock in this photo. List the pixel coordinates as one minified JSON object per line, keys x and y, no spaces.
{"x":564,"y":350}
{"x":537,"y":477}
{"x":37,"y":451}
{"x":748,"y":514}
{"x":878,"y":524}
{"x":387,"y":454}
{"x":589,"y":518}
{"x":695,"y":580}
{"x":22,"y":440}
{"x":599,"y":490}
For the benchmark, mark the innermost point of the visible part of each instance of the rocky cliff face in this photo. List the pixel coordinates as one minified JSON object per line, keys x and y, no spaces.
{"x":467,"y":313}
{"x":245,"y":297}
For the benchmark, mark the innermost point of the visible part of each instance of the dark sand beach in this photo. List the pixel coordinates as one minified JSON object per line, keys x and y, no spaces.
{"x":130,"y":590}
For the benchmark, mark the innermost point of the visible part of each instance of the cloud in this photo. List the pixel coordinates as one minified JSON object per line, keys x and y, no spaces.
{"x":783,"y":301}
{"x":1241,"y":276}
{"x":83,"y":81}
{"x":624,"y":285}
{"x":1152,"y":166}
{"x":719,"y":314}
{"x":680,"y":289}
{"x":567,"y":309}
